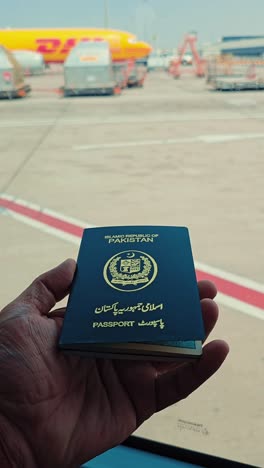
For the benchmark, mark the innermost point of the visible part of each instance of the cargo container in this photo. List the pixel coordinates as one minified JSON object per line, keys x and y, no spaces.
{"x":12,"y":83}
{"x":32,"y":63}
{"x":89,"y":70}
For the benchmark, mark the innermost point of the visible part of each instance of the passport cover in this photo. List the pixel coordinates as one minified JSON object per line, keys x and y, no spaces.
{"x":133,"y":284}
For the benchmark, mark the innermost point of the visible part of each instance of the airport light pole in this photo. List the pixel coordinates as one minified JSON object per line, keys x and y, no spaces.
{"x":144,"y":6}
{"x":106,"y":14}
{"x":149,"y":18}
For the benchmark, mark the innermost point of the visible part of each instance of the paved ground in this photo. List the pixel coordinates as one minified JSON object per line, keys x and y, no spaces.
{"x":171,"y":153}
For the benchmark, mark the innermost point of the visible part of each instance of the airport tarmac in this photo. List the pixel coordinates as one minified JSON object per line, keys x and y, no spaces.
{"x":172,"y":153}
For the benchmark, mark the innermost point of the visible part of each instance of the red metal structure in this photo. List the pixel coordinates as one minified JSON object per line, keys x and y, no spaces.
{"x":137,"y":74}
{"x":130,"y":73}
{"x":198,"y":68}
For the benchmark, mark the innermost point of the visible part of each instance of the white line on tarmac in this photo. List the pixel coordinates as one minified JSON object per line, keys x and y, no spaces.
{"x":247,"y":283}
{"x":240,"y":306}
{"x":209,"y":139}
{"x":130,"y":119}
{"x":42,"y":227}
{"x":223,"y":299}
{"x":46,"y":211}
{"x":230,"y":137}
{"x":242,"y":281}
{"x":127,"y":144}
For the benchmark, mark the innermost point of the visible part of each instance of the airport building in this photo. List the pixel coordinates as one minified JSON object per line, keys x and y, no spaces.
{"x":250,"y":46}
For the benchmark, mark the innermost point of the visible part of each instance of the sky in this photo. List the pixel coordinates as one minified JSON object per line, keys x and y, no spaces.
{"x":160,"y":22}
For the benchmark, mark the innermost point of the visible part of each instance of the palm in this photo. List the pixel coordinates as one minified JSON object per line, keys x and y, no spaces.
{"x":64,"y":410}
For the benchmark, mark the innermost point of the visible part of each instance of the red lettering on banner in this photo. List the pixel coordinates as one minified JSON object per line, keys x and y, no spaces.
{"x":48,"y":46}
{"x":92,"y":39}
{"x":68,"y":45}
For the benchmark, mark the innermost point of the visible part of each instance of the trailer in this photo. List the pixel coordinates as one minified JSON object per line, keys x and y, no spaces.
{"x":12,"y":83}
{"x":89,"y":70}
{"x":137,"y":73}
{"x":121,"y":72}
{"x":32,"y":63}
{"x":228,"y":73}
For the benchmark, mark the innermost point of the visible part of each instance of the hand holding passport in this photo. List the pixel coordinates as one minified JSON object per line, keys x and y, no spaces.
{"x":73,"y":409}
{"x":134,"y":295}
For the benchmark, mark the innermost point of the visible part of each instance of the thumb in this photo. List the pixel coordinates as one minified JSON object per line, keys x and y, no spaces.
{"x":49,"y":288}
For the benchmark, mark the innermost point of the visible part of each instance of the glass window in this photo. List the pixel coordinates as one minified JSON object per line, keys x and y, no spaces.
{"x":180,"y":142}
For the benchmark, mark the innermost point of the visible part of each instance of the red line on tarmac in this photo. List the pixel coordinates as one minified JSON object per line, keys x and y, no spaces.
{"x":247,"y":295}
{"x":231,"y":289}
{"x":42,"y":217}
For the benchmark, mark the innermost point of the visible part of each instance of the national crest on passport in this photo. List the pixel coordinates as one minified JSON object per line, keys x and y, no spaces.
{"x":130,"y":270}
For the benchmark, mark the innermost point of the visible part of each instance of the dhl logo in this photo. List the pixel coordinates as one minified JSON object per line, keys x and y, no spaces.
{"x":51,"y":46}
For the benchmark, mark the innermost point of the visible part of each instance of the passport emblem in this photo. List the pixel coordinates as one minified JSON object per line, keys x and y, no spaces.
{"x":130,"y":271}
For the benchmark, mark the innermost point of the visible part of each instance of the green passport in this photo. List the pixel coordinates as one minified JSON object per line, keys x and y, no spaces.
{"x":134,"y":295}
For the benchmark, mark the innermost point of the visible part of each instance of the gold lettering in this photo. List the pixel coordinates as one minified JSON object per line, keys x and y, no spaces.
{"x":140,"y":306}
{"x":142,"y":323}
{"x":145,"y":308}
{"x":153,"y":323}
{"x":126,"y":323}
{"x":162,"y":324}
{"x":127,"y":238}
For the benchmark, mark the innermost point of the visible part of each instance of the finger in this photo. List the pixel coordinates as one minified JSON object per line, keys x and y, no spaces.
{"x":177,"y":384}
{"x":57,"y":313}
{"x":210,"y":313}
{"x":207,"y":289}
{"x":49,"y":288}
